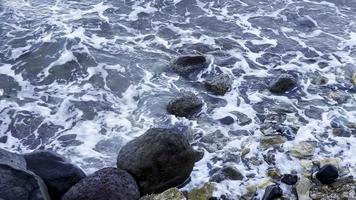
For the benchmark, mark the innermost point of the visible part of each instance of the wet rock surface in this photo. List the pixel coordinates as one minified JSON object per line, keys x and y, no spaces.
{"x":219,"y":85}
{"x":58,"y":174}
{"x":289,"y":179}
{"x":185,"y":65}
{"x":227,"y":120}
{"x":16,"y":183}
{"x":105,"y":184}
{"x":226,"y":173}
{"x":282,"y":84}
{"x":170,"y":194}
{"x":185,"y":105}
{"x":214,"y":141}
{"x":327,"y":174}
{"x":158,"y":160}
{"x":78,"y":83}
{"x":272,"y":192}
{"x":12,"y":159}
{"x":205,"y":192}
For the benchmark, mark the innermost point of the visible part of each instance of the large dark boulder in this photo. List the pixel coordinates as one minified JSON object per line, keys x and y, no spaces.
{"x":219,"y":85}
{"x":158,"y":160}
{"x":282,"y":84}
{"x":106,"y":184}
{"x":185,"y":65}
{"x":327,"y":174}
{"x":20,"y":184}
{"x":58,"y":174}
{"x":185,"y":105}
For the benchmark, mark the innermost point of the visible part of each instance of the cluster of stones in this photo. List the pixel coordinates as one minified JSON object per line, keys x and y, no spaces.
{"x":154,"y":165}
{"x":156,"y":161}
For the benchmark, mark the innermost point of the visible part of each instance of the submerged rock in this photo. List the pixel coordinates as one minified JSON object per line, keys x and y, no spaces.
{"x":289,"y":179}
{"x":214,"y":141}
{"x":269,"y":141}
{"x":18,"y":184}
{"x":284,"y":83}
{"x":106,"y":184}
{"x":327,"y":174}
{"x":219,"y":85}
{"x":272,"y":192}
{"x":242,"y":119}
{"x":203,"y":193}
{"x":320,"y":80}
{"x":186,"y":65}
{"x":226,"y":173}
{"x":185,"y":105}
{"x":58,"y":174}
{"x":227,"y":120}
{"x":158,"y":160}
{"x":170,"y":194}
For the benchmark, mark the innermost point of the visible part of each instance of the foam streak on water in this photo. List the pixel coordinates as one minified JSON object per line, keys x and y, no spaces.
{"x":84,"y":77}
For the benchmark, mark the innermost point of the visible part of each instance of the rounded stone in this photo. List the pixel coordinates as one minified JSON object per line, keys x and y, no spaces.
{"x":106,"y":184}
{"x":289,"y":179}
{"x":186,"y":105}
{"x":284,"y":83}
{"x":58,"y":174}
{"x":185,"y":65}
{"x":227,"y":120}
{"x":327,"y":174}
{"x":158,"y":160}
{"x":18,"y":184}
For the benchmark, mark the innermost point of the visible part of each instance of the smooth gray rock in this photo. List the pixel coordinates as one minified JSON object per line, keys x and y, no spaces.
{"x":58,"y":174}
{"x":106,"y":184}
{"x":20,"y":184}
{"x":158,"y":160}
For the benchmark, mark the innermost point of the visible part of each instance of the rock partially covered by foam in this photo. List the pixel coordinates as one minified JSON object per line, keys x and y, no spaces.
{"x":158,"y":160}
{"x":282,"y":84}
{"x":106,"y":184}
{"x":185,"y":105}
{"x":185,"y":65}
{"x":58,"y":174}
{"x":219,"y":85}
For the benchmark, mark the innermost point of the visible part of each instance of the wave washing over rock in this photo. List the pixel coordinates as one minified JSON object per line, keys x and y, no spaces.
{"x":83,"y":78}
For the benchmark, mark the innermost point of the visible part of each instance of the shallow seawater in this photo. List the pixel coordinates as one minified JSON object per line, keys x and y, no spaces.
{"x":84,"y":77}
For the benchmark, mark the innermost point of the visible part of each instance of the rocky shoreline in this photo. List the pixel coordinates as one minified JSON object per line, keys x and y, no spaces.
{"x":155,"y":165}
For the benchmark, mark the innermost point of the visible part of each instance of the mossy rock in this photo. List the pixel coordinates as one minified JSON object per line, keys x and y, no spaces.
{"x":203,"y":193}
{"x":170,"y":194}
